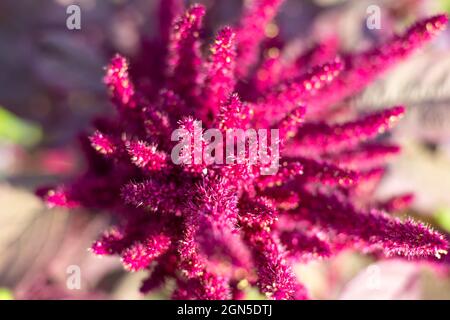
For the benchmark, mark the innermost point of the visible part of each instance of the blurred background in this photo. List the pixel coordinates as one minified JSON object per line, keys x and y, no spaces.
{"x":51,"y":86}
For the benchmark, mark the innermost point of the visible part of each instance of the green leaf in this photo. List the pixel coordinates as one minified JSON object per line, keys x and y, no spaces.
{"x":442,"y":217}
{"x":18,"y":131}
{"x":254,"y":294}
{"x":6,"y":294}
{"x":445,"y":4}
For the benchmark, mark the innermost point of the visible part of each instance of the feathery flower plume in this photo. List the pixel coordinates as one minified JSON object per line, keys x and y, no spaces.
{"x":251,"y":31}
{"x":209,"y":228}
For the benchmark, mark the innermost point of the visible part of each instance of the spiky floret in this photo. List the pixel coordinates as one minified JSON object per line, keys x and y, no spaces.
{"x":363,"y":67}
{"x":184,"y":54}
{"x":209,"y":226}
{"x":251,"y":31}
{"x":120,"y":86}
{"x":220,"y":79}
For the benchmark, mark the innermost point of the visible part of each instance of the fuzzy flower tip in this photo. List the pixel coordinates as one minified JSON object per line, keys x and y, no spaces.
{"x":213,"y":229}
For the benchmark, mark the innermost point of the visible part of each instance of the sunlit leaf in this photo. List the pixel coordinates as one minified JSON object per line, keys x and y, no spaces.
{"x":443,"y":218}
{"x":6,"y":294}
{"x":18,"y":131}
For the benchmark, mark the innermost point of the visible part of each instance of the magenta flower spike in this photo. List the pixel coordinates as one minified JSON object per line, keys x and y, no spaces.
{"x":119,"y":84}
{"x":321,"y":137}
{"x":366,"y":156}
{"x":139,"y":255}
{"x":275,"y":276}
{"x":303,"y":246}
{"x":251,"y":31}
{"x":362,"y":68}
{"x":214,"y":228}
{"x":102,"y":143}
{"x":293,"y":92}
{"x":167,"y":13}
{"x":373,"y":230}
{"x":146,"y":156}
{"x":397,"y":203}
{"x":184,"y":53}
{"x":220,"y":79}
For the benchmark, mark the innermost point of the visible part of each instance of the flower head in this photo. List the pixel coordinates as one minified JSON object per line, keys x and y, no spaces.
{"x":211,"y":227}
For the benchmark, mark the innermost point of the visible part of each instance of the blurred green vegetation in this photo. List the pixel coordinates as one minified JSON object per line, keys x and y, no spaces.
{"x":254,"y":294}
{"x":18,"y":131}
{"x":443,"y":218}
{"x":6,"y":294}
{"x":445,"y":5}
